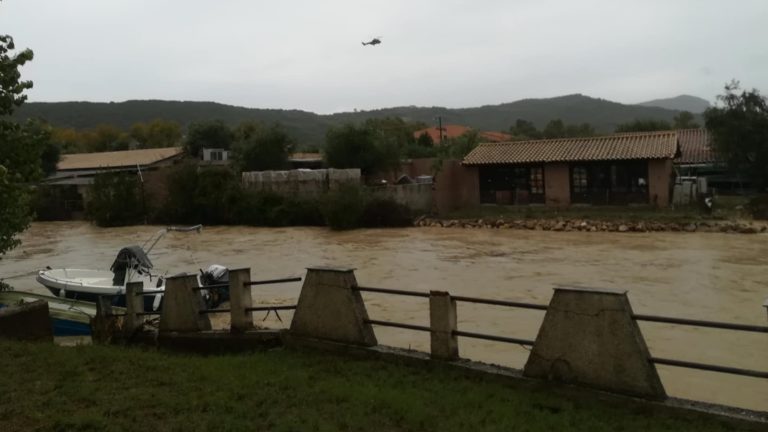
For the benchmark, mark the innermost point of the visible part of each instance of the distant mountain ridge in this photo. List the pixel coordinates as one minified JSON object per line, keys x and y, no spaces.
{"x":689,"y":103}
{"x":309,"y":128}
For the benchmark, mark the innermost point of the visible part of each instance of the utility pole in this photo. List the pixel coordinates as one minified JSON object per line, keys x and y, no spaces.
{"x":440,"y":129}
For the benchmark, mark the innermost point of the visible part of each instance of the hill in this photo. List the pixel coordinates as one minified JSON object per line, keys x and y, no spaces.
{"x":309,"y":128}
{"x":693,"y":104}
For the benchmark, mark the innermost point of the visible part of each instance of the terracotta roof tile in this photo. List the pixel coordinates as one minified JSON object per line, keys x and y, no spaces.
{"x":116,"y":159}
{"x":495,"y":136}
{"x":695,"y":147}
{"x":643,"y":145}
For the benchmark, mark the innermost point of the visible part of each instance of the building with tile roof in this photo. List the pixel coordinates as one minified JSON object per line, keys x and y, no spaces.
{"x":450,"y":131}
{"x":633,"y":168}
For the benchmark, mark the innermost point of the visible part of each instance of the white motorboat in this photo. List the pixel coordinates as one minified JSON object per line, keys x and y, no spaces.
{"x":132,"y":264}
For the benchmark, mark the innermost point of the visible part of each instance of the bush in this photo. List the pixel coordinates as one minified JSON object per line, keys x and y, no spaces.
{"x":115,"y":200}
{"x":343,"y":207}
{"x":386,"y":212}
{"x":55,"y":203}
{"x":758,"y":206}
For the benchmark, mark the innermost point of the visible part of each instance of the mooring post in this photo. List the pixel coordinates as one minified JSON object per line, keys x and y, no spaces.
{"x":240,"y":300}
{"x":442,"y":323}
{"x":589,"y":337}
{"x":134,"y":306}
{"x":104,"y":323}
{"x":182,"y":304}
{"x":329,"y":308}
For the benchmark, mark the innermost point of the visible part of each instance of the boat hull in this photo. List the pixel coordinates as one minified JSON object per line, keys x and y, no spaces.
{"x":68,"y":317}
{"x":89,"y":285}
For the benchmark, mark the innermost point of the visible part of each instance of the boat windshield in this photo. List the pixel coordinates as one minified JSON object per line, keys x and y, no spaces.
{"x":130,"y":257}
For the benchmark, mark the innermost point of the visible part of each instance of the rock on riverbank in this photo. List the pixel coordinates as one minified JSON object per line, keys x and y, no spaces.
{"x":595,"y":225}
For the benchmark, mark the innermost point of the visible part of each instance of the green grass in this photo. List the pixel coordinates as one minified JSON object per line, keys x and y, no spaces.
{"x":45,"y":387}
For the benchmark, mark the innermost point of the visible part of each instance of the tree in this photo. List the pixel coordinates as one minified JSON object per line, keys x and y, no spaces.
{"x":685,"y":120}
{"x":350,"y":146}
{"x":738,"y":125}
{"x":644,"y":126}
{"x":425,"y":140}
{"x":102,"y":138}
{"x":208,"y":134}
{"x":20,"y":147}
{"x":157,"y":133}
{"x":262,"y":148}
{"x":115,"y":200}
{"x":525,"y":130}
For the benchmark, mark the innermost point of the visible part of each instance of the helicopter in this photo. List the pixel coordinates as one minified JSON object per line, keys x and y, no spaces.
{"x":375,"y":41}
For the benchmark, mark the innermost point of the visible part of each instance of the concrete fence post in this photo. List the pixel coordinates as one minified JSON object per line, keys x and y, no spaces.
{"x":589,"y":337}
{"x":239,"y":300}
{"x":182,"y":304}
{"x":330,"y":309}
{"x":442,"y":323}
{"x":134,"y":306}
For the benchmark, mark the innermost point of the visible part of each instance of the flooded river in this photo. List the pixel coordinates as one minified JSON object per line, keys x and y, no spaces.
{"x":701,"y":276}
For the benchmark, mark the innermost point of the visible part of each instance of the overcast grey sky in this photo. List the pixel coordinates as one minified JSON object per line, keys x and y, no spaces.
{"x":307,"y":54}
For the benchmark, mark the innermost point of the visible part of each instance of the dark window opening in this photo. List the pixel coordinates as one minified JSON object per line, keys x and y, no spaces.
{"x":512,"y":184}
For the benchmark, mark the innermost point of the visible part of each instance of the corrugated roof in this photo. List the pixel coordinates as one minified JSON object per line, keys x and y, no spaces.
{"x":642,"y":145}
{"x":695,"y":147}
{"x":116,"y":159}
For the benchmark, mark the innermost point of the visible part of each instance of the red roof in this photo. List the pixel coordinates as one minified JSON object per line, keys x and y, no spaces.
{"x":455,"y":131}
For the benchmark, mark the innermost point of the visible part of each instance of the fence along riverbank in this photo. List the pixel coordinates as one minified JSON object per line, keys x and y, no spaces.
{"x":588,"y":337}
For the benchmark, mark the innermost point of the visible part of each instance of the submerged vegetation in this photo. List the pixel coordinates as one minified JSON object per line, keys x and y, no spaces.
{"x":215,"y":196}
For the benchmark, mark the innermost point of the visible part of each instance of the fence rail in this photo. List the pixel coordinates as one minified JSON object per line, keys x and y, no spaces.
{"x":700,"y":323}
{"x":516,"y":304}
{"x":399,"y":325}
{"x":505,"y":339}
{"x":708,"y":367}
{"x":393,"y":291}
{"x":534,"y":306}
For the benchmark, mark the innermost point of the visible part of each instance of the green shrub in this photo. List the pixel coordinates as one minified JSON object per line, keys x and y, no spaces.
{"x":299,"y":212}
{"x":53,"y":203}
{"x":758,"y":206}
{"x":343,"y":207}
{"x":115,"y":200}
{"x":386,"y":212}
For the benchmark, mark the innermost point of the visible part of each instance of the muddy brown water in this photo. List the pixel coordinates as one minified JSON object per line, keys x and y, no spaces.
{"x":700,"y":275}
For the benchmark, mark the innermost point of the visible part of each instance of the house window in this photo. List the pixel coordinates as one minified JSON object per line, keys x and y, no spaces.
{"x":217,"y":155}
{"x":579,"y":179}
{"x":537,"y":180}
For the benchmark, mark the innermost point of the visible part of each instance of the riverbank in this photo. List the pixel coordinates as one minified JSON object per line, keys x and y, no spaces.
{"x":579,"y":224}
{"x":728,"y":217}
{"x":46,"y":387}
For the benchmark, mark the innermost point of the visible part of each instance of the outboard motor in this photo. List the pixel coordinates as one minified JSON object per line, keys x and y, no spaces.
{"x":215,"y":275}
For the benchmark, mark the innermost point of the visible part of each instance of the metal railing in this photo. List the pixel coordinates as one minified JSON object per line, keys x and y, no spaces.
{"x":266,"y":308}
{"x":457,"y":332}
{"x":534,"y":306}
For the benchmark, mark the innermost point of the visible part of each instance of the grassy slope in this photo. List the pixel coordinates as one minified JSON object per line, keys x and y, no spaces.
{"x":109,"y":388}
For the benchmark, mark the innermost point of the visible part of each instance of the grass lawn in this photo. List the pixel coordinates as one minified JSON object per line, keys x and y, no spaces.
{"x":46,"y":387}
